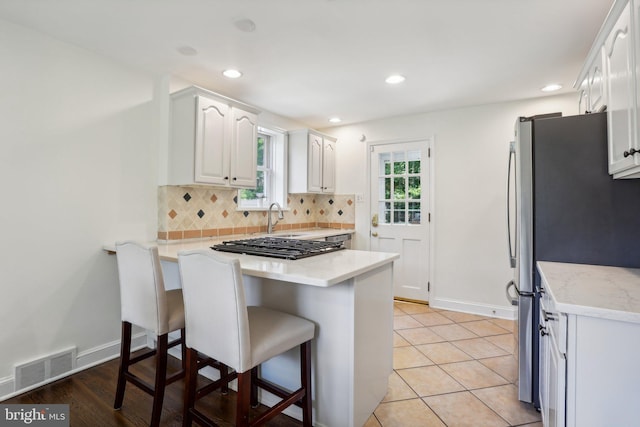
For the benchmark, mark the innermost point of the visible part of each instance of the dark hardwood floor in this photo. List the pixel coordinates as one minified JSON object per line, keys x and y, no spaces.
{"x":90,"y":396}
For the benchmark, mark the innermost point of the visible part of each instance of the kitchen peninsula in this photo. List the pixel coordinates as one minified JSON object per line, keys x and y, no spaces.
{"x":348,"y":294}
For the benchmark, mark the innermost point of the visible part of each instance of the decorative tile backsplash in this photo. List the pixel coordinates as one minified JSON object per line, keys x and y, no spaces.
{"x":194,"y":212}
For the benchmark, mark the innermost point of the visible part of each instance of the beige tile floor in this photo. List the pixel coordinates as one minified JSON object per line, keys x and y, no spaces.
{"x":452,"y":369}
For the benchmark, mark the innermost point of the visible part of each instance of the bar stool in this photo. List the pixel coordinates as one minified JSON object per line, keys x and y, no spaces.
{"x":220,"y":325}
{"x":145,"y":303}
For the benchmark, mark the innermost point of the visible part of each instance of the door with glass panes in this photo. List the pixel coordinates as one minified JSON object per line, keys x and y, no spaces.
{"x":400,"y":213}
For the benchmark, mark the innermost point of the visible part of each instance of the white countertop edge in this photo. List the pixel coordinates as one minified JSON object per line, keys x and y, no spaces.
{"x":603,"y":313}
{"x":568,"y":307}
{"x":357,"y":263}
{"x":320,"y":282}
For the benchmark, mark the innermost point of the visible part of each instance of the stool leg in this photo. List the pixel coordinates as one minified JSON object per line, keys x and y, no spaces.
{"x":224,"y":371}
{"x":125,"y":355}
{"x":244,"y":397}
{"x":191,"y":379}
{"x":254,"y":387}
{"x":161,"y":378}
{"x":183,"y":347}
{"x":305,"y":379}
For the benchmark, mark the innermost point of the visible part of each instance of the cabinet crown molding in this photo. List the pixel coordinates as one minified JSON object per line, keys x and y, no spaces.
{"x":197,"y":90}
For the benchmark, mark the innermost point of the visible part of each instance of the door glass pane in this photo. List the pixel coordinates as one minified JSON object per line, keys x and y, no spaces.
{"x":399,"y":188}
{"x":414,"y":187}
{"x":414,"y":212}
{"x":399,"y":214}
{"x":414,"y":161}
{"x":399,"y":163}
{"x":384,"y":212}
{"x":384,"y":164}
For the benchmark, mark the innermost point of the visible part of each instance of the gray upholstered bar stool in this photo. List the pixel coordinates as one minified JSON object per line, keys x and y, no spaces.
{"x":145,"y":303}
{"x":220,"y":325}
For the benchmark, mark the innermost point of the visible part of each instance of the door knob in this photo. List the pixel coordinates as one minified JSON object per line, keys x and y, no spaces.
{"x":374,"y":234}
{"x":374,"y":220}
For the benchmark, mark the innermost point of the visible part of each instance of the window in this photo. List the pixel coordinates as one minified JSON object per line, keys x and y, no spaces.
{"x":271,"y":172}
{"x":400,"y":189}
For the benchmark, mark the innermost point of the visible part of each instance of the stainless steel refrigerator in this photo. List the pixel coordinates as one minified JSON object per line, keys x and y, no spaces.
{"x":562,"y":206}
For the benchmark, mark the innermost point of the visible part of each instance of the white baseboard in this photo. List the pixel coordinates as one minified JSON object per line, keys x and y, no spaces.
{"x":6,"y":387}
{"x":84,"y":360}
{"x":502,"y":312}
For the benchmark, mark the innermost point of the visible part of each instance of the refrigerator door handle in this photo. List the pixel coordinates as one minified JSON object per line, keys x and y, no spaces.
{"x":512,"y":152}
{"x":511,"y":298}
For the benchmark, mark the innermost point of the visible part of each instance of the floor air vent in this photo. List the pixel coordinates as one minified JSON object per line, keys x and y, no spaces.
{"x":40,"y":370}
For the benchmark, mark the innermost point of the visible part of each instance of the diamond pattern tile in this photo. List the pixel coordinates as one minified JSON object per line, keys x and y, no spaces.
{"x":183,"y":208}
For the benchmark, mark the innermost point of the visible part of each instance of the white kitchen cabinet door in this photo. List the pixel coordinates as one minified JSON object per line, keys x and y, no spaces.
{"x":556,"y":383}
{"x":312,"y":162}
{"x":543,"y":374}
{"x":597,"y":98}
{"x":620,"y":84}
{"x":591,"y":91}
{"x":212,"y":142}
{"x":244,"y":153}
{"x":328,"y":166}
{"x":315,"y":164}
{"x":584,"y":105}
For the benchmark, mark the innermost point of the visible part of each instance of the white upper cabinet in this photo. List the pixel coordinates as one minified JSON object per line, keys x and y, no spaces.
{"x":620,"y":81}
{"x":591,"y":88}
{"x":213,"y":140}
{"x":312,"y":160}
{"x":244,"y":150}
{"x":329,"y":165}
{"x":610,"y":78}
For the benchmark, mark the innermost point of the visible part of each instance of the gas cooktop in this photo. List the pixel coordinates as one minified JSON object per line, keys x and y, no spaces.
{"x":276,"y":247}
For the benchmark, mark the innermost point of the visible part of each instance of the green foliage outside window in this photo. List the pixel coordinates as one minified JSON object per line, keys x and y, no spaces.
{"x":258,"y":192}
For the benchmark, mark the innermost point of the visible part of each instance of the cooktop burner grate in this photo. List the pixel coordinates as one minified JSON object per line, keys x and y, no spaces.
{"x":279,"y":247}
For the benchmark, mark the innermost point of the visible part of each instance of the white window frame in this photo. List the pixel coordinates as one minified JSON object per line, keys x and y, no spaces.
{"x":275,"y":177}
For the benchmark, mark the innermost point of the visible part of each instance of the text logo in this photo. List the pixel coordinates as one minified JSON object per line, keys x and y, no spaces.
{"x":34,"y":415}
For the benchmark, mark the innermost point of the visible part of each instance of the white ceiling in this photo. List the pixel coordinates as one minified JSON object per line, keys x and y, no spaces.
{"x":311,"y":59}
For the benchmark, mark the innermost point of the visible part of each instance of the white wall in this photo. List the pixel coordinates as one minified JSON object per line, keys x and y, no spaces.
{"x":470,"y":268}
{"x":78,"y":169}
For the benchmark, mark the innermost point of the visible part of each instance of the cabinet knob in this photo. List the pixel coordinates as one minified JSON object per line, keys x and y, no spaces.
{"x":630,"y":152}
{"x":226,"y":178}
{"x":235,"y":179}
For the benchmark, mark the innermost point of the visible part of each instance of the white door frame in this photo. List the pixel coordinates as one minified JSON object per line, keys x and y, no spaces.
{"x":431,"y":215}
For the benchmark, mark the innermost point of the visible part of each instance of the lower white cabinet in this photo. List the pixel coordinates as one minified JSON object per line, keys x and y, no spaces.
{"x":589,"y":369}
{"x":553,"y":363}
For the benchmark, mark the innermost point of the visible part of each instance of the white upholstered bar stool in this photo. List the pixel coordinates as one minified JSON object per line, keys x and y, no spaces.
{"x":220,"y":325}
{"x":145,"y":303}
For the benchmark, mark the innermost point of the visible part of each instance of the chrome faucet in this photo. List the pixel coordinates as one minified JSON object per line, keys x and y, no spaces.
{"x":270,"y":225}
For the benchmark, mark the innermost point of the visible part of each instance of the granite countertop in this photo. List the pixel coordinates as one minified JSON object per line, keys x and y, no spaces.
{"x":593,"y":290}
{"x":321,"y":270}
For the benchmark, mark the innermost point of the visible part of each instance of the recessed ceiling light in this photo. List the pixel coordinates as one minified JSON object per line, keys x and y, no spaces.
{"x":232,"y":74}
{"x":552,"y":87}
{"x":394,"y":79}
{"x":187,"y":51}
{"x":245,"y":25}
{"x":335,"y":119}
